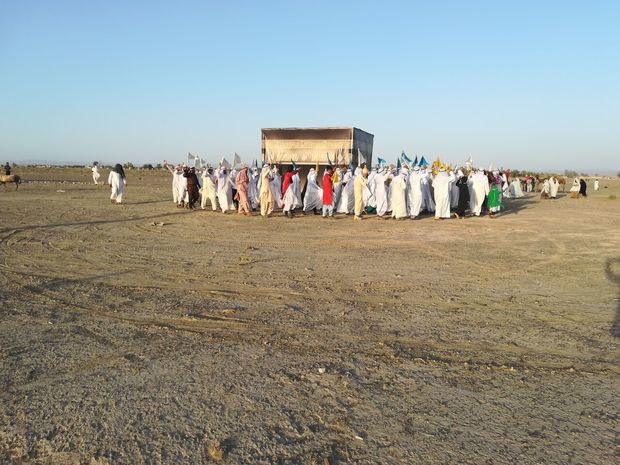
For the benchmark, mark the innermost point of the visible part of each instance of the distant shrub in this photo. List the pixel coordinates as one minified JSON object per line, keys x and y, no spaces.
{"x":147,"y":166}
{"x":158,"y":166}
{"x":611,"y":197}
{"x":128,"y":165}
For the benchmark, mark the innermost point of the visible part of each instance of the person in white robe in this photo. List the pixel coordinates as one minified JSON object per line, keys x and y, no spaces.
{"x":369,"y":192}
{"x":253,"y":195}
{"x":427,"y":196}
{"x":182,"y":188}
{"x":380,"y":182}
{"x":505,"y":188}
{"x":596,"y":185}
{"x":478,"y":189}
{"x":546,"y":187}
{"x":297,"y":203}
{"x":575,"y":188}
{"x":95,"y":171}
{"x":441,"y":190}
{"x":554,"y":185}
{"x":515,"y":188}
{"x":454,"y":189}
{"x":313,"y":200}
{"x":337,"y":185}
{"x":265,"y":192}
{"x":392,"y":173}
{"x":117,"y":182}
{"x":289,"y":199}
{"x":232,"y":176}
{"x":224,"y":190}
{"x":209,"y":189}
{"x":275,"y":184}
{"x":399,"y":194}
{"x":177,"y":176}
{"x":347,"y":196}
{"x":415,"y":192}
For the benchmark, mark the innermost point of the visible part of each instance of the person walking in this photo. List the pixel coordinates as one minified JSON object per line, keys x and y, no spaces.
{"x":117,"y":182}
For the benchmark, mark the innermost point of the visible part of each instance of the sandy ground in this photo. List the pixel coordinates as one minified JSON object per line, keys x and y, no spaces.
{"x":218,"y":338}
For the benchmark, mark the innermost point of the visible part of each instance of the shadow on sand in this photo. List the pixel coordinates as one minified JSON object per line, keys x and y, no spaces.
{"x":614,"y":277}
{"x":146,"y":201}
{"x":514,"y":206}
{"x":91,"y":223}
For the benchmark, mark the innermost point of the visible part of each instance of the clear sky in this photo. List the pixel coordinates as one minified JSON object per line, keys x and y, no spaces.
{"x":521,"y":84}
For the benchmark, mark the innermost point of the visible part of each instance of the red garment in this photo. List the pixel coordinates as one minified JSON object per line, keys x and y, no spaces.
{"x":287,"y":181}
{"x":327,"y":189}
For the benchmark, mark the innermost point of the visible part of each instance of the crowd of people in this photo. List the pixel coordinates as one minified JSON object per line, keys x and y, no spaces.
{"x":398,"y":192}
{"x":580,"y":188}
{"x":406,"y":190}
{"x":550,"y":187}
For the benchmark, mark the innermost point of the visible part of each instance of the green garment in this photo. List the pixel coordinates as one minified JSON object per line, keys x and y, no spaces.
{"x":494,"y":199}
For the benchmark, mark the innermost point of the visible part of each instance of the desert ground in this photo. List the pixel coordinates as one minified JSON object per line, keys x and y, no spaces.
{"x":146,"y":334}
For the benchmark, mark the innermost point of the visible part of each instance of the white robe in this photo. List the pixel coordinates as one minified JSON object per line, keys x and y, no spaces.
{"x":554,"y":185}
{"x":399,"y":197}
{"x":347,"y":196}
{"x":288,"y":200}
{"x":224,"y":192}
{"x":181,"y":188}
{"x":276,"y":190}
{"x":515,"y":189}
{"x":415,"y":194}
{"x":454,"y":191}
{"x":505,"y":188}
{"x":596,"y":185}
{"x":176,"y":178}
{"x":369,"y":191}
{"x":427,"y":197}
{"x":253,"y":197}
{"x":337,"y":188}
{"x":208,"y":191}
{"x":297,"y":203}
{"x":118,"y":186}
{"x":391,"y":176}
{"x":96,"y":174}
{"x":478,"y":189}
{"x":441,"y":188}
{"x":576,"y":187}
{"x":314,"y":194}
{"x":381,"y":193}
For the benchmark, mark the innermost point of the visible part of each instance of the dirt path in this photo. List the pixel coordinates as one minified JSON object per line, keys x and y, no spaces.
{"x":304,"y":340}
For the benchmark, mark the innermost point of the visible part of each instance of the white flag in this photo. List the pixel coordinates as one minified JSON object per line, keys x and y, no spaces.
{"x":225,"y":163}
{"x":237,"y":161}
